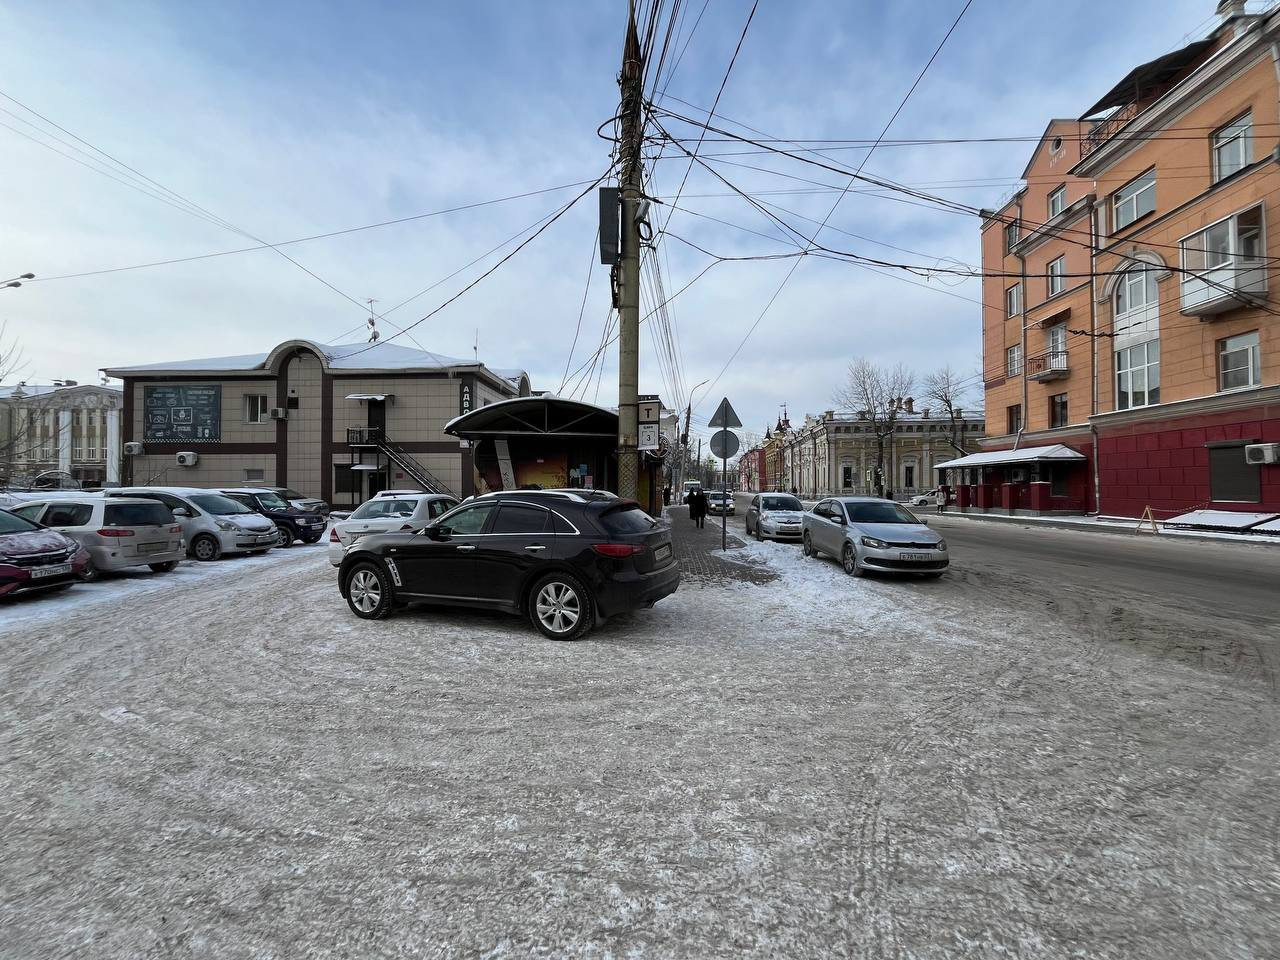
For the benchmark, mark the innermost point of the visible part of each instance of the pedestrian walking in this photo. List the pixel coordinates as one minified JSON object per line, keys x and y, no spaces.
{"x":698,"y":507}
{"x":940,"y":498}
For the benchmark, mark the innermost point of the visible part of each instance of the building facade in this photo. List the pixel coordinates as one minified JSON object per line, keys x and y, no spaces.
{"x":338,"y":422}
{"x":60,"y":434}
{"x":1127,"y":308}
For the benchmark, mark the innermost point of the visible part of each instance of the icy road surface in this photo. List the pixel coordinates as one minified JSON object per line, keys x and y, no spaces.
{"x":225,"y":763}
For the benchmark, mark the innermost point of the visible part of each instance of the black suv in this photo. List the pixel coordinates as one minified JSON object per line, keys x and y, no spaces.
{"x":293,"y":524}
{"x":563,"y":559}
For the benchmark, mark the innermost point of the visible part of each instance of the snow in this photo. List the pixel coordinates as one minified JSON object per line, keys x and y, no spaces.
{"x":1271,"y":526}
{"x":1225,"y":519}
{"x":1057,"y":451}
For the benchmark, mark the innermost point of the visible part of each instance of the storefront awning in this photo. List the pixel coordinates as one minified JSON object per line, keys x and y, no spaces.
{"x":1058,"y":452}
{"x":369,"y":396}
{"x":366,"y":466}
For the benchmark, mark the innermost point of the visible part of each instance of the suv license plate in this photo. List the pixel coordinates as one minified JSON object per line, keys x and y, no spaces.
{"x":662,"y":552}
{"x":914,"y":556}
{"x":56,"y":570}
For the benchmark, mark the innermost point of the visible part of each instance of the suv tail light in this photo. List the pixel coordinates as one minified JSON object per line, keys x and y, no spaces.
{"x":175,"y":529}
{"x":617,"y":549}
{"x":333,"y":535}
{"x":114,"y":532}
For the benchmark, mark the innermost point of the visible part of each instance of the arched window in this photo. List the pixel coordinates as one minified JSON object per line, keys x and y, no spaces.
{"x":1137,"y":339}
{"x":1136,"y":290}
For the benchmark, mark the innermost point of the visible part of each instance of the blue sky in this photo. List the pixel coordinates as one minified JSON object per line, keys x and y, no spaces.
{"x":289,"y":119}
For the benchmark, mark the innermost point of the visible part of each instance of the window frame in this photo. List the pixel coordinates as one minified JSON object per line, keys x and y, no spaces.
{"x":1055,"y":406}
{"x":1148,"y":274}
{"x":1012,"y":234}
{"x":1232,"y":450}
{"x":1014,"y":294}
{"x":1244,"y":137}
{"x":1013,"y":361}
{"x":1013,"y":418}
{"x":1253,"y":351}
{"x":1193,"y":273}
{"x":1056,"y":270}
{"x":262,"y":411}
{"x":1059,"y":193}
{"x":1147,"y":366}
{"x":1119,"y":199}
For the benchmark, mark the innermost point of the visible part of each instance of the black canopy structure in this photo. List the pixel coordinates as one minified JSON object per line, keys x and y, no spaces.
{"x":1151,"y":79}
{"x":547,"y":415}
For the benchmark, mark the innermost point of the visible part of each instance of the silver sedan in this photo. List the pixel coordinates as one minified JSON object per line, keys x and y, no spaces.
{"x":867,"y":533}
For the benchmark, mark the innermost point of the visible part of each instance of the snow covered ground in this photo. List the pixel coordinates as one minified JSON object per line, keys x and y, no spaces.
{"x":227,"y":763}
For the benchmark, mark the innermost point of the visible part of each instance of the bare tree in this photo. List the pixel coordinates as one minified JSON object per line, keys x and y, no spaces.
{"x":15,"y":438}
{"x":876,"y":394}
{"x":950,"y":391}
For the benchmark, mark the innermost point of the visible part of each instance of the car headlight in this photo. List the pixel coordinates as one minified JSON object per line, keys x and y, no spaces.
{"x":226,"y":525}
{"x":942,"y":545}
{"x":873,"y":543}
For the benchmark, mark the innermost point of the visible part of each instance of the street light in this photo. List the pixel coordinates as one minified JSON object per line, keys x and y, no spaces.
{"x":17,"y":281}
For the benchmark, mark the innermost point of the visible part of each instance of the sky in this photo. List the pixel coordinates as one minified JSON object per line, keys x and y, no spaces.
{"x":289,"y":119}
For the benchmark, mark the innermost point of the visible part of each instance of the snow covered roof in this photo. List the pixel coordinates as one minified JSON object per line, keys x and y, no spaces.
{"x":378,"y":357}
{"x":988,"y":458}
{"x":44,"y":389}
{"x":1225,"y":520}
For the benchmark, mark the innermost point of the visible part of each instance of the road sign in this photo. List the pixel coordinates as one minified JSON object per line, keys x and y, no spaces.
{"x":724,"y":444}
{"x":648,"y":437}
{"x":649,"y":410}
{"x":724,"y":416}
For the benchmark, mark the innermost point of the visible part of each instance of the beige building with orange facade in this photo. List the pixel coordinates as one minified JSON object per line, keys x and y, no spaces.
{"x":1131,"y":340}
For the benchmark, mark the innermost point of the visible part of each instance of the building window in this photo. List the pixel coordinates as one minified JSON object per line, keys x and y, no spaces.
{"x":1058,"y":410}
{"x":1013,"y":300}
{"x":1231,"y":478}
{"x":255,"y":408}
{"x":345,"y":480}
{"x":254,"y":474}
{"x":1239,"y":362}
{"x":1011,"y":233}
{"x":1136,"y":291}
{"x":1138,"y":375}
{"x":1233,"y":147}
{"x":1015,"y":418}
{"x":1135,"y":199}
{"x":1013,"y":361}
{"x":846,"y":476}
{"x":1057,"y":275}
{"x":1057,"y":201}
{"x":1235,"y":241}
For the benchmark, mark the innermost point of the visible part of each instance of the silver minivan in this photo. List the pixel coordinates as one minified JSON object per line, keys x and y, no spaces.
{"x":212,"y":524}
{"x":119,"y":533}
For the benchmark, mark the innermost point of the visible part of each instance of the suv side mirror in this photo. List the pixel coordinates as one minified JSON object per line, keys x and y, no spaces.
{"x":437,"y":532}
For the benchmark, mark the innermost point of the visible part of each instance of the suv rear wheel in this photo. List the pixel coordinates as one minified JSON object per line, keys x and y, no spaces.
{"x":560,"y":607}
{"x":286,"y":535}
{"x":369,"y":591}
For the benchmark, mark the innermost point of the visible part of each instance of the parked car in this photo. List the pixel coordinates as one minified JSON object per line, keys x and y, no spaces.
{"x":211,"y":523}
{"x":720,"y":502}
{"x":291,"y":523}
{"x":35,"y":558}
{"x":563,"y":560}
{"x":296,"y":499}
{"x":119,"y":533}
{"x":397,"y":493}
{"x":775,"y":516}
{"x":411,"y":511}
{"x":925,"y":499}
{"x":688,"y":487}
{"x":868,"y":533}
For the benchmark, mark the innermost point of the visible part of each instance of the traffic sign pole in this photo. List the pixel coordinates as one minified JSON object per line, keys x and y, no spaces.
{"x":725,"y":443}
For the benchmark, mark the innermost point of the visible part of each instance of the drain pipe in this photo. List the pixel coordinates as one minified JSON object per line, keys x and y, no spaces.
{"x":1022,"y":322}
{"x":1093,"y":372}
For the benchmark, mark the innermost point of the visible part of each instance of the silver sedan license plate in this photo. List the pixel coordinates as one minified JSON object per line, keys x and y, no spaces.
{"x":55,"y":570}
{"x":914,"y":556}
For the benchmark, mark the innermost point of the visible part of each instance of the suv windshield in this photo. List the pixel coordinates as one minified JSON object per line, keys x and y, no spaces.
{"x":290,"y":494}
{"x":878,"y":513}
{"x":780,"y":503}
{"x":272,"y":501}
{"x":219,"y":505}
{"x":9,"y":523}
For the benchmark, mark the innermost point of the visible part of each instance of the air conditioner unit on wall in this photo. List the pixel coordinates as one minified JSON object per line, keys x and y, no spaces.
{"x":1262,"y":453}
{"x":133,"y":449}
{"x":279,"y":413}
{"x":188,"y":459}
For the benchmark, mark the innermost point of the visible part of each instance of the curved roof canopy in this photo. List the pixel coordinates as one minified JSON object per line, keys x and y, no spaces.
{"x":546,"y":415}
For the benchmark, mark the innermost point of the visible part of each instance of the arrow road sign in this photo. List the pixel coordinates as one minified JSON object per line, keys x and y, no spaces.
{"x":724,"y":444}
{"x":724,"y":416}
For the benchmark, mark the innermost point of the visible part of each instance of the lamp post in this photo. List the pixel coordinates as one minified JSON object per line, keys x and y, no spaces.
{"x":17,"y":281}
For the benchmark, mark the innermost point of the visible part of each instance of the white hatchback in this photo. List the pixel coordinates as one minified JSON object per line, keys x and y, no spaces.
{"x":384,"y":514}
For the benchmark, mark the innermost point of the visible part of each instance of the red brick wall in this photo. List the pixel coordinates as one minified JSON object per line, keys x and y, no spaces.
{"x":1165,"y":465}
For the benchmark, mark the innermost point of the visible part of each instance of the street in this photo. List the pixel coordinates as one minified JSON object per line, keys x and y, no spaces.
{"x":1065,"y":747}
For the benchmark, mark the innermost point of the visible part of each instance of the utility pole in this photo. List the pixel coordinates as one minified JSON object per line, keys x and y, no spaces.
{"x":629,"y":112}
{"x":701,"y":477}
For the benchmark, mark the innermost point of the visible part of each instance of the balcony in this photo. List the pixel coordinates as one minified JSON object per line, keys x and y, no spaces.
{"x":1237,"y":283}
{"x":365,"y":436}
{"x":1050,"y":366}
{"x":1104,"y":130}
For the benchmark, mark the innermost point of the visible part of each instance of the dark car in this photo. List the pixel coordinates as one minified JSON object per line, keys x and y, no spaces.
{"x":33,"y":557}
{"x":566,"y":561}
{"x":293,"y":524}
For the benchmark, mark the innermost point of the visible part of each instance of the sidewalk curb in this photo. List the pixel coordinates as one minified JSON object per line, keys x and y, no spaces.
{"x":1117,"y":529}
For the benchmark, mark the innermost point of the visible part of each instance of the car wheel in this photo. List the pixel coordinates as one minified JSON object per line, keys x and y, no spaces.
{"x":807,"y":546}
{"x":90,"y":573}
{"x":163,"y":567}
{"x":369,"y":592}
{"x":849,"y":561}
{"x":560,"y":607}
{"x":286,"y":535}
{"x":205,"y":548}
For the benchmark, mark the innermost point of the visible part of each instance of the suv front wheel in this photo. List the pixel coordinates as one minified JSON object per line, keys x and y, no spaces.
{"x":369,"y":592}
{"x":560,"y":607}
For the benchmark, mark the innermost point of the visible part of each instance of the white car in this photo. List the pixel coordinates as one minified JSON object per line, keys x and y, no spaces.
{"x":925,"y":499}
{"x":119,"y":533}
{"x":411,"y":511}
{"x":775,"y":516}
{"x":212,"y":524}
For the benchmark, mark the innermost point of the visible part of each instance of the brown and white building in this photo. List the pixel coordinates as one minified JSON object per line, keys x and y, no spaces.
{"x":59,"y":434}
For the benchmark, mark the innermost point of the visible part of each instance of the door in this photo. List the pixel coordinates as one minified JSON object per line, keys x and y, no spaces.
{"x":378,"y":414}
{"x":827,"y":533}
{"x":518,"y":541}
{"x":444,"y":566}
{"x":377,"y":482}
{"x":753,"y":514}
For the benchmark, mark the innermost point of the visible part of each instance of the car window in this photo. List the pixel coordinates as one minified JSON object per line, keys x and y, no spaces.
{"x":28,"y":511}
{"x":437,"y":508}
{"x":560,"y":525}
{"x":515,"y":518}
{"x":243,"y":498}
{"x":399,"y":508}
{"x":782,"y":502}
{"x":468,"y":520}
{"x":270,"y":501}
{"x":755,"y":502}
{"x":68,"y":515}
{"x":872,"y":512}
{"x":372,"y":508}
{"x":170,"y":501}
{"x":627,"y":518}
{"x":136,"y":515}
{"x":290,"y":494}
{"x":219,"y":505}
{"x":9,"y":523}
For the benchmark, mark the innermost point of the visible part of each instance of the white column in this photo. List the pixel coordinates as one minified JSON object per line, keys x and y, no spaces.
{"x":64,"y":440}
{"x":113,"y":445}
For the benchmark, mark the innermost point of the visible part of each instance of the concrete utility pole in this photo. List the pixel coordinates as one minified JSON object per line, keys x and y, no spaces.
{"x":630,"y":80}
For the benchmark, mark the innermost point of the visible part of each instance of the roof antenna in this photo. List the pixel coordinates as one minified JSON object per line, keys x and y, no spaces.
{"x":372,"y":322}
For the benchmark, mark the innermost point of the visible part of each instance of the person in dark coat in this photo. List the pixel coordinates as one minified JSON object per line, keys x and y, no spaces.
{"x":698,"y":506}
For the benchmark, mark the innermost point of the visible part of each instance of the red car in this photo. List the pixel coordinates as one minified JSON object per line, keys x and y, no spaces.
{"x":33,"y":557}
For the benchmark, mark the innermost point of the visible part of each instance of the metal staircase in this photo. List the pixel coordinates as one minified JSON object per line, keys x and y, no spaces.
{"x":377,"y":438}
